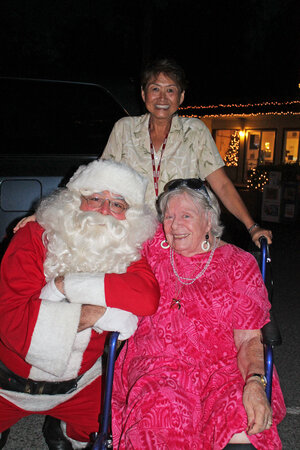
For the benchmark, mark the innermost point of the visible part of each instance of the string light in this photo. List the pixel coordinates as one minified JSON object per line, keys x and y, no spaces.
{"x":289,"y":108}
{"x":257,"y":179}
{"x":235,"y":105}
{"x":287,"y":113}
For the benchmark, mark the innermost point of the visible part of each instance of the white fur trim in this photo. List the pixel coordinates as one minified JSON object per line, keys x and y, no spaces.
{"x":51,"y":293}
{"x":53,"y":336}
{"x":44,"y":402}
{"x":85,"y":288}
{"x":107,"y":175}
{"x":77,"y":445}
{"x":74,"y":362}
{"x":115,"y":319}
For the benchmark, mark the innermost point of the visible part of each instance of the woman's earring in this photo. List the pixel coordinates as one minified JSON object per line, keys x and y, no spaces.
{"x":164,"y":244}
{"x":205,"y":244}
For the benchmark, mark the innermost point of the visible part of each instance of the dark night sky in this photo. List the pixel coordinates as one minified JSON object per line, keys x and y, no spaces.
{"x":234,"y":52}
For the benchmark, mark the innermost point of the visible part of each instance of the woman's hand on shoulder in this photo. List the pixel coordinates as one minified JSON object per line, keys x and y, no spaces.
{"x":257,"y":407}
{"x":23,"y":222}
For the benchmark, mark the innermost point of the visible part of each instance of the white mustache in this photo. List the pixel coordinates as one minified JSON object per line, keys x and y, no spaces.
{"x":88,"y":221}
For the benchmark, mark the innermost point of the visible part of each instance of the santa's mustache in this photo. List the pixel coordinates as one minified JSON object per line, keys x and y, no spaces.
{"x":91,"y":222}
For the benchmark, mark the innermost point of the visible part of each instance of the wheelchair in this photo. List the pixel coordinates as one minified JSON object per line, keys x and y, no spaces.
{"x":271,"y":338}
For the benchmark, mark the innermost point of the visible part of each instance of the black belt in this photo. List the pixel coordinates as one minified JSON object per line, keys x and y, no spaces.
{"x":12,"y":382}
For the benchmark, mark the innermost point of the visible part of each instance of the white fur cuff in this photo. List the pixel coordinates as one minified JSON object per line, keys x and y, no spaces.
{"x":115,"y":319}
{"x":51,"y":293}
{"x":85,"y":288}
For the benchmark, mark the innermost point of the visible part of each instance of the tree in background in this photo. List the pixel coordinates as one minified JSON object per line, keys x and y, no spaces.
{"x":232,"y":154}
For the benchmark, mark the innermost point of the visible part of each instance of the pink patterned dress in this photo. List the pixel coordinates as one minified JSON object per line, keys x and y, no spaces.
{"x":177,"y":384}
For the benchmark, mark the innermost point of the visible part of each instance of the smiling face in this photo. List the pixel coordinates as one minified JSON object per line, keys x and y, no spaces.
{"x":162,"y":96}
{"x":184,"y":225}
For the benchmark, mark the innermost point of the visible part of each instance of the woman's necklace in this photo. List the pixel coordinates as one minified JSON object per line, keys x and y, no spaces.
{"x":188,"y":281}
{"x":156,"y":172}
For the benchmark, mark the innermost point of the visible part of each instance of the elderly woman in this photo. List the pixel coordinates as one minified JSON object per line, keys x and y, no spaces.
{"x":192,"y":375}
{"x":163,"y":146}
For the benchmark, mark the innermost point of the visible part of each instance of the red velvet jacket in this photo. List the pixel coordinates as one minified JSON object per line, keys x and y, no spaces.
{"x":55,"y":323}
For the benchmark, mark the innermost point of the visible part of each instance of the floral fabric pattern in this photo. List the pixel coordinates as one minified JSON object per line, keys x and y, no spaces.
{"x":190,"y":150}
{"x":177,"y":384}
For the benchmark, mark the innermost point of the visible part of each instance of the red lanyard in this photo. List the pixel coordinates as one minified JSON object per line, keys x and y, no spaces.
{"x":156,"y":172}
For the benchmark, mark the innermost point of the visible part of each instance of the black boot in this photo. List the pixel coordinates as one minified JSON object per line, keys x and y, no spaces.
{"x":54,"y":436}
{"x":3,"y":437}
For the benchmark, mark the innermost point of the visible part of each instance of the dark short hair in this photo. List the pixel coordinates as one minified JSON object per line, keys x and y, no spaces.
{"x":167,"y":66}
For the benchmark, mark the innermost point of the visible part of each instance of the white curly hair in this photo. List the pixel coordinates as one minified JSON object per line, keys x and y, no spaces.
{"x":81,"y":241}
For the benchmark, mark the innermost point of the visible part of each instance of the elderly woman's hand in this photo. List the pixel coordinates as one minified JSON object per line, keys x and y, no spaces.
{"x":257,"y":407}
{"x":23,"y":222}
{"x":258,"y":232}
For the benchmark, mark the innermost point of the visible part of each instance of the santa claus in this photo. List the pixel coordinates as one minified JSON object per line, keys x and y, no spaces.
{"x":66,"y":280}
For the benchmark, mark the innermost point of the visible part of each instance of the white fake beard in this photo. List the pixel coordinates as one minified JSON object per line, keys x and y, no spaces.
{"x":80,"y":241}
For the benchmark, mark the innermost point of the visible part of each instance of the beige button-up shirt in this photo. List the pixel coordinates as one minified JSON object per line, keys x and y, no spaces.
{"x":190,"y":150}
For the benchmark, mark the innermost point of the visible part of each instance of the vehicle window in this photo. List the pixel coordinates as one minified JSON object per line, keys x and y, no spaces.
{"x":42,"y":118}
{"x":48,"y":129}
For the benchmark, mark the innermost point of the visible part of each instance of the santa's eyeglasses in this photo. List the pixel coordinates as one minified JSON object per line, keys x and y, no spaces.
{"x":193,"y":183}
{"x":115,"y":206}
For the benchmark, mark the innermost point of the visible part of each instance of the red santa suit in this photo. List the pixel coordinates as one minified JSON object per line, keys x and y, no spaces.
{"x":39,"y":338}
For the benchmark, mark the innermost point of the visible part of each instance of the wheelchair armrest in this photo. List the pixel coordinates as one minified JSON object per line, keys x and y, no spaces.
{"x":271,"y":333}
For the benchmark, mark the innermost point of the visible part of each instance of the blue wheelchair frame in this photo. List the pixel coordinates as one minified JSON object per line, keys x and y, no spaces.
{"x":271,"y":338}
{"x":103,"y":440}
{"x":270,"y":332}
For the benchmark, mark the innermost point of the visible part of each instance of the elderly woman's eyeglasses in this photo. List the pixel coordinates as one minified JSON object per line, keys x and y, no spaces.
{"x":193,"y":183}
{"x":115,"y":206}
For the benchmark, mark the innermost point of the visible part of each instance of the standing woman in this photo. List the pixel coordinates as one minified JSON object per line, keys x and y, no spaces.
{"x":164,"y":146}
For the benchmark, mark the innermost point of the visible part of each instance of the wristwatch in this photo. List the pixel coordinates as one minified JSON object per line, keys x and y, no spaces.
{"x":261,"y":377}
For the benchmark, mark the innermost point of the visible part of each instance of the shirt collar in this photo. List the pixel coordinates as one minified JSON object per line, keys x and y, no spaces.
{"x":141,"y":129}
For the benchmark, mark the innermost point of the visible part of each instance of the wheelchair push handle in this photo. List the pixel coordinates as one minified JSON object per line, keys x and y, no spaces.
{"x":265,"y":256}
{"x":263,"y":240}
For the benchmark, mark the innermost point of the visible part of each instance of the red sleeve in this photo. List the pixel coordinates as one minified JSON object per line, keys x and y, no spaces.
{"x":136,"y":290}
{"x":22,"y":278}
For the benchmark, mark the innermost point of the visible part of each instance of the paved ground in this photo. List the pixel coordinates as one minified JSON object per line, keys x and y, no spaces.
{"x":286,"y":304}
{"x":285,"y":254}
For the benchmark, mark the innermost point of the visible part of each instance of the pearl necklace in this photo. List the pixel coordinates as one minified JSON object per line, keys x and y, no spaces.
{"x":189,"y":281}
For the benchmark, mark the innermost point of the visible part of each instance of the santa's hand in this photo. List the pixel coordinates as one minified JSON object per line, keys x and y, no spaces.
{"x":115,"y":319}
